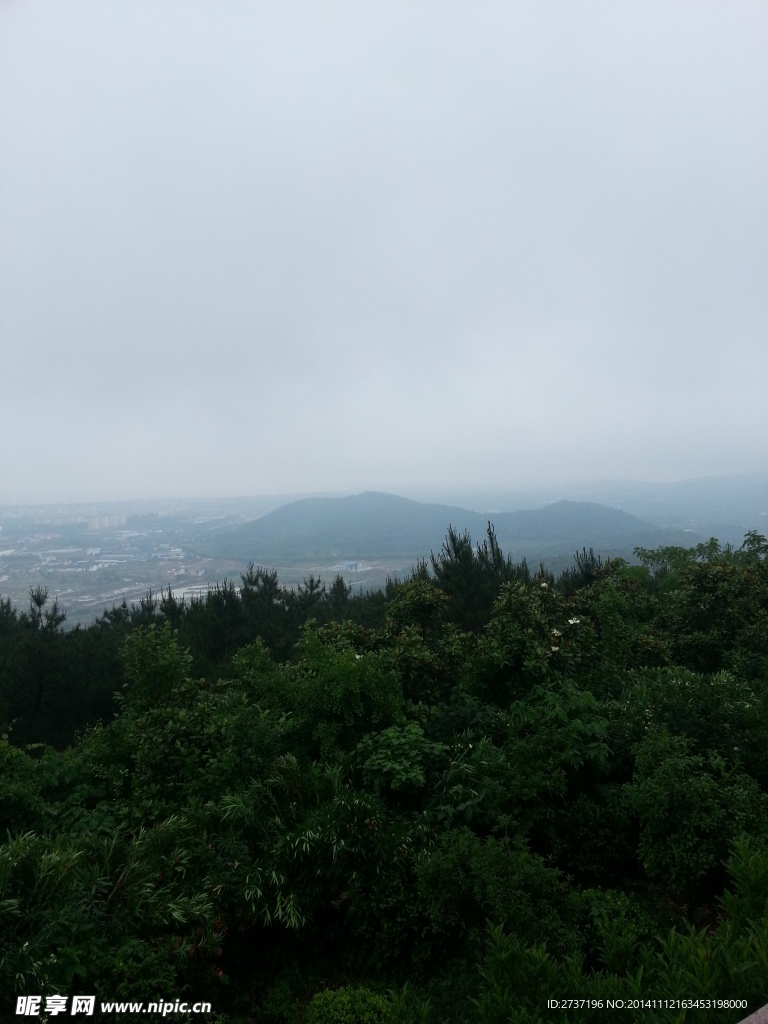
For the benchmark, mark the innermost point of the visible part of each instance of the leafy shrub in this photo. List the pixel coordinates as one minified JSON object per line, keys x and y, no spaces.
{"x":395,"y":759}
{"x":466,"y":882}
{"x":348,"y":1006}
{"x":720,"y":712}
{"x":692,"y":807}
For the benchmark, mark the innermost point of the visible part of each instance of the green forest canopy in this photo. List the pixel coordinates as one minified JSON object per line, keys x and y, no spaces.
{"x":449,"y":801}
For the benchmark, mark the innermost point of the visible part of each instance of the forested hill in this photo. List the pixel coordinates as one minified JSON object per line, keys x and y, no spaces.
{"x":377,"y":525}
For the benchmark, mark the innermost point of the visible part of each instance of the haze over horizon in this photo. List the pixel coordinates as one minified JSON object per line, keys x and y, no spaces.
{"x":253,"y":249}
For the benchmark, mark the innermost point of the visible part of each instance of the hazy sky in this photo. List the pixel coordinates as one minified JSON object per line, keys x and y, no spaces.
{"x":250,"y":248}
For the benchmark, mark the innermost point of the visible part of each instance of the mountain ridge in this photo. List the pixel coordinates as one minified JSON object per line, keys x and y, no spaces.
{"x":379,"y":525}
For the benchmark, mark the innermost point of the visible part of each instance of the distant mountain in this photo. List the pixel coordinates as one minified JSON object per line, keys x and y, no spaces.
{"x":565,"y":525}
{"x":724,"y":507}
{"x":373,"y":525}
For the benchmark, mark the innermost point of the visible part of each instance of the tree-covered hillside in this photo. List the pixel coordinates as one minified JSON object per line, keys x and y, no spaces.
{"x":377,"y":525}
{"x":457,"y":800}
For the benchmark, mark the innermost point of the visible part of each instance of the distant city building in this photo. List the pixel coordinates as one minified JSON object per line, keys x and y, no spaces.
{"x":105,"y":522}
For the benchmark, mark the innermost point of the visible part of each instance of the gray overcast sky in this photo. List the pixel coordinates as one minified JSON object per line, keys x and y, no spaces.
{"x":250,"y":248}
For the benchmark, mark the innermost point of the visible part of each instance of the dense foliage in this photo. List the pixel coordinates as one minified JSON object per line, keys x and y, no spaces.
{"x":452,"y":801}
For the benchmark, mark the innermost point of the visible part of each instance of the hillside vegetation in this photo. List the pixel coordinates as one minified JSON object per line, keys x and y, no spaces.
{"x":455,"y":800}
{"x":377,"y":525}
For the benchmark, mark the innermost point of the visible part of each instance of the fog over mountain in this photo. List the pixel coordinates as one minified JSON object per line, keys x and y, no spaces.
{"x":375,"y":525}
{"x":724,"y":506}
{"x":282,"y":248}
